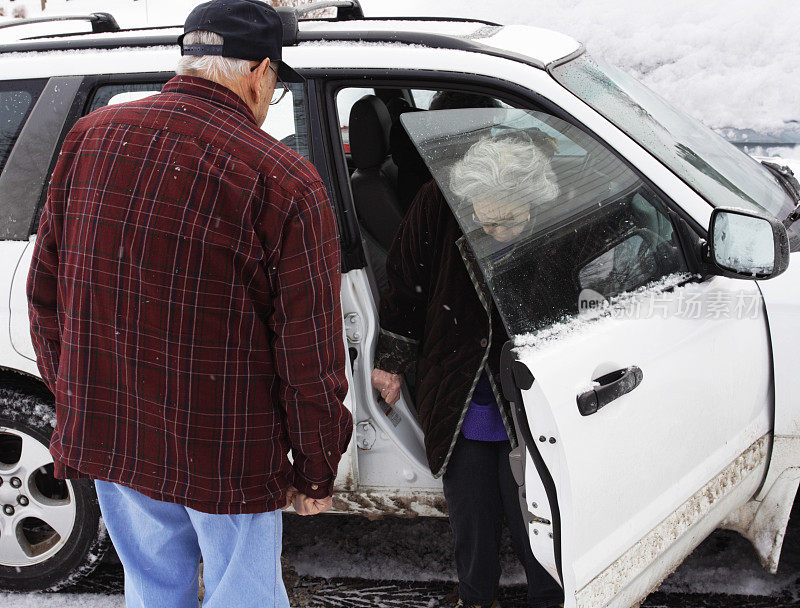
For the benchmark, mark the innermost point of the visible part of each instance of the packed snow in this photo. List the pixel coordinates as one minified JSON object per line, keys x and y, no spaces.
{"x":78,"y":600}
{"x":419,"y":550}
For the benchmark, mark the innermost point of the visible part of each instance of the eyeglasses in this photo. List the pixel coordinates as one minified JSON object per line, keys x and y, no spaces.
{"x":274,"y":101}
{"x":500,"y":224}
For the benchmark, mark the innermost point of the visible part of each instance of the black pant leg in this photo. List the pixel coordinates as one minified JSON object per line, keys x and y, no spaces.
{"x":543,"y":591}
{"x":472,"y":492}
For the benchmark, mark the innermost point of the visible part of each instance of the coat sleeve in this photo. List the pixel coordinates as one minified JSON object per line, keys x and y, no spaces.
{"x":42,"y":284}
{"x":404,"y":304}
{"x":308,"y":344}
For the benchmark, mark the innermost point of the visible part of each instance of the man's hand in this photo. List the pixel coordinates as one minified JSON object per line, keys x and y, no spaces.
{"x":388,"y":385}
{"x":291,"y":494}
{"x":303,"y":505}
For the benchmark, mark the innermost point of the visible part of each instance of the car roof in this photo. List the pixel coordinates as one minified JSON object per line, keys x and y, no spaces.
{"x":534,"y":46}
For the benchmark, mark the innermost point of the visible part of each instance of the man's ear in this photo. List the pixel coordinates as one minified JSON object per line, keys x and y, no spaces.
{"x":257,"y":80}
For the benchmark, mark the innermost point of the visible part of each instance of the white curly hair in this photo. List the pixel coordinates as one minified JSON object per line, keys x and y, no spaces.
{"x":511,"y":171}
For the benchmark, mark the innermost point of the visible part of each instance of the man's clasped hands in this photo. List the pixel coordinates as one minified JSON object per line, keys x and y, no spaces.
{"x":304,"y":505}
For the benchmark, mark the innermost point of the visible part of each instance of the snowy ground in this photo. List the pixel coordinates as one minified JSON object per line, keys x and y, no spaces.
{"x":349,"y":562}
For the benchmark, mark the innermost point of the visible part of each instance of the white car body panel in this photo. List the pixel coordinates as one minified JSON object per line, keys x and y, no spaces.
{"x":783,"y":311}
{"x":628,"y":467}
{"x":389,"y":439}
{"x":642,"y":568}
{"x":20,"y":333}
{"x":10,"y":358}
{"x":451,"y":28}
{"x":763,"y":519}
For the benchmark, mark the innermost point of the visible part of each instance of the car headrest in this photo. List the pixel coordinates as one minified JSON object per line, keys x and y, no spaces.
{"x":404,"y":153}
{"x":369,"y":132}
{"x":396,"y":107}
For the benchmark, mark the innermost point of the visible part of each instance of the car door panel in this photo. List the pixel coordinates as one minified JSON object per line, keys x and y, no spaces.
{"x":643,"y":455}
{"x":697,"y":406}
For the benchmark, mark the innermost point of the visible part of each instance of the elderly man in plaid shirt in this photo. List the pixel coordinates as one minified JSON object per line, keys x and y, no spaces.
{"x":184,"y":307}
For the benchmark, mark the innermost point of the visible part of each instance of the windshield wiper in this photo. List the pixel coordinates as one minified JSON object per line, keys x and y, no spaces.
{"x":789,"y":182}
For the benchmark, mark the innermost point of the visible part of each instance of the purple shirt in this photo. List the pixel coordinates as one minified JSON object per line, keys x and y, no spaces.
{"x":483,"y":421}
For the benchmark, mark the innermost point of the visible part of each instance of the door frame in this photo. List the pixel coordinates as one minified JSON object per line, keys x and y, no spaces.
{"x":326,"y":83}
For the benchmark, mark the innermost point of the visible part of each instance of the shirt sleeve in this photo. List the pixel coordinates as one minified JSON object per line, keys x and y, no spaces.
{"x":42,"y":285}
{"x":308,"y":345}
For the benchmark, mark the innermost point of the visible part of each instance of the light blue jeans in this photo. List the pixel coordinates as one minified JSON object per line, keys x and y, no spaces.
{"x":160,"y":545}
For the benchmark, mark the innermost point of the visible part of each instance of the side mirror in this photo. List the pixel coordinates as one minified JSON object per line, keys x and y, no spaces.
{"x":746,"y":244}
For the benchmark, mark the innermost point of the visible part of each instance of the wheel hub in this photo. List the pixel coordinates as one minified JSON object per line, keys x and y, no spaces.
{"x":37,"y":519}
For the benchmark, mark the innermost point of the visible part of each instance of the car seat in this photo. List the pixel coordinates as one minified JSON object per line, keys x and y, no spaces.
{"x":374,"y":182}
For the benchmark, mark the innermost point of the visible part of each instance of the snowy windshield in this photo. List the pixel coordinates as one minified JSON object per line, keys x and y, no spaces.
{"x":719,"y":172}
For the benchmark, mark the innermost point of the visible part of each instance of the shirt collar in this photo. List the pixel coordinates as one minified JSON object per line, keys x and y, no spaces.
{"x":210,"y":91}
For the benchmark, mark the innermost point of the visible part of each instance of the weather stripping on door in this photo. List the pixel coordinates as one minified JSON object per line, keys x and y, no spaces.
{"x":609,"y":387}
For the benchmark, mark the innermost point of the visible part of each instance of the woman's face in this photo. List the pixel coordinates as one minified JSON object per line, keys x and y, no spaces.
{"x":503,"y":222}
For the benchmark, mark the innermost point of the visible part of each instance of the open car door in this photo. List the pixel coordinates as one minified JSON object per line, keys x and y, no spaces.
{"x":641,"y":393}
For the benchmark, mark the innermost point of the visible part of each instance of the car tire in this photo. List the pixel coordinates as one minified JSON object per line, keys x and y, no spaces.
{"x":41,"y":559}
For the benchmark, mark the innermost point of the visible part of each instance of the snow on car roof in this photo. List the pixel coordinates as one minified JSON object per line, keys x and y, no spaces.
{"x":538,"y":44}
{"x":447,"y":28}
{"x":71,"y":62}
{"x":533,"y":45}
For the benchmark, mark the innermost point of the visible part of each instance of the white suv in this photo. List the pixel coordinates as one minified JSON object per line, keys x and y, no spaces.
{"x":657,"y":406}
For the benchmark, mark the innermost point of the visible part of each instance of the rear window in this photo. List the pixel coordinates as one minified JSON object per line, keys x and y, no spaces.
{"x":286,"y":121}
{"x":16,"y":101}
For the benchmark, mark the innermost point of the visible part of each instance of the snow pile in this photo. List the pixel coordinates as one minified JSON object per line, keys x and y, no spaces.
{"x":128,"y":13}
{"x":729,"y":63}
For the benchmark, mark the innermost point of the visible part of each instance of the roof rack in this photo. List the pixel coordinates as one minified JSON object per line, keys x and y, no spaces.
{"x":347,"y":10}
{"x":101,"y":22}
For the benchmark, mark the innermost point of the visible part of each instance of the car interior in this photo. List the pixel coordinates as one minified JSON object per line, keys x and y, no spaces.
{"x":609,"y":231}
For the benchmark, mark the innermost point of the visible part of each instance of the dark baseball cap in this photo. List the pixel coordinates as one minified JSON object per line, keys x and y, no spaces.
{"x":250,"y":29}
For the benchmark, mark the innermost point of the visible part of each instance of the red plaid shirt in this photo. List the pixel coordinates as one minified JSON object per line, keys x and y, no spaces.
{"x":184,"y":306}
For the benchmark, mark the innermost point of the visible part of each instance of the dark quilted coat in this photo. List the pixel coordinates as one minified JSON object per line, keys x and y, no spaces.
{"x":437,"y":313}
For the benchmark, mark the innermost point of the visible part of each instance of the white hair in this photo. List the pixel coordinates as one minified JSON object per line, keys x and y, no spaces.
{"x":510,"y":171}
{"x":211,"y":67}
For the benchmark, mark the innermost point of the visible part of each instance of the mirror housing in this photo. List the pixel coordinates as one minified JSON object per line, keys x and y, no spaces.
{"x":745,"y":244}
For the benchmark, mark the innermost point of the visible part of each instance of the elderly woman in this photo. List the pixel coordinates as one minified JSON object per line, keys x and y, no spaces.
{"x":438,"y":315}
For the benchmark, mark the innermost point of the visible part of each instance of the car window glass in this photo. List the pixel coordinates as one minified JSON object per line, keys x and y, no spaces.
{"x":119,"y":93}
{"x":286,"y":121}
{"x":720,"y":173}
{"x":384,"y":168}
{"x":16,"y":102}
{"x":625,"y":266}
{"x":130,"y":96}
{"x":346,"y":98}
{"x":544,"y":225}
{"x":422,"y":98}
